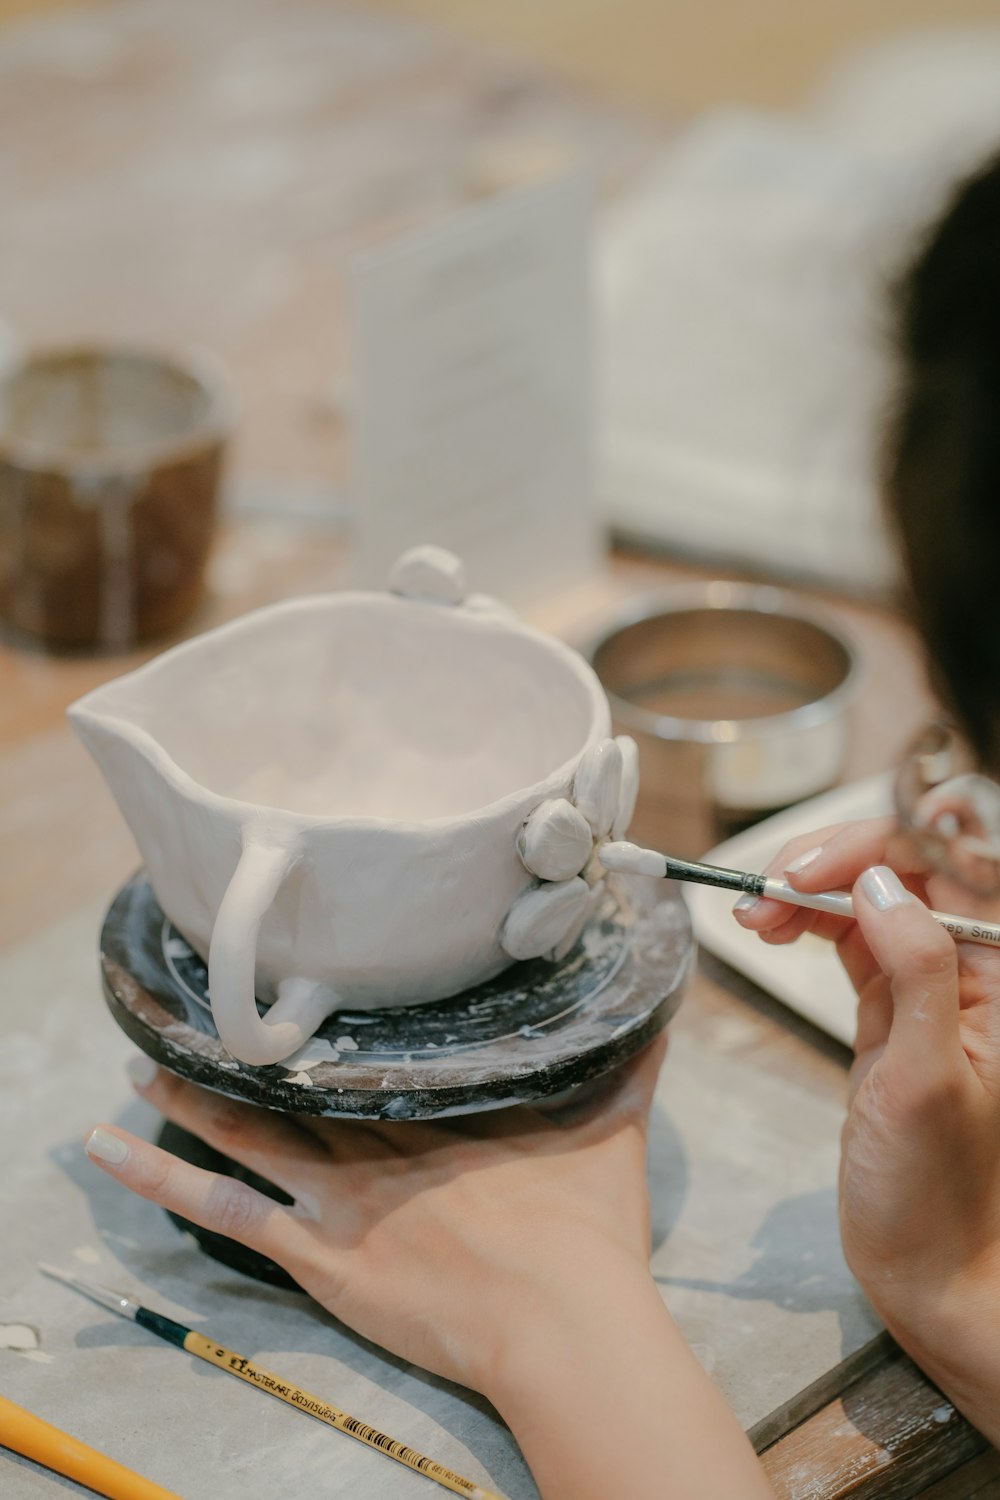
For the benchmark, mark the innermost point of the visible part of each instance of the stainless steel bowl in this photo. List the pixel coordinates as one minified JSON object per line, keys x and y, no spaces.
{"x":738,"y":698}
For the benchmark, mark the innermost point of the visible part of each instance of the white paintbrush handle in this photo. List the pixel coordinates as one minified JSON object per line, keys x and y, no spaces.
{"x":962,"y":929}
{"x":836,"y":901}
{"x":628,"y":859}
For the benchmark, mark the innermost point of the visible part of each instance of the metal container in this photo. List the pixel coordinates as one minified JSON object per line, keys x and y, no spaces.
{"x":737,"y":696}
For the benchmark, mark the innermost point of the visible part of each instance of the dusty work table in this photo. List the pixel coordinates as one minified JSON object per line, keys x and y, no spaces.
{"x":327,"y":128}
{"x":745,"y":1249}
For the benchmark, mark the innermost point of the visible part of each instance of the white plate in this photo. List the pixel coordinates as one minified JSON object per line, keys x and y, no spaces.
{"x":805,"y":975}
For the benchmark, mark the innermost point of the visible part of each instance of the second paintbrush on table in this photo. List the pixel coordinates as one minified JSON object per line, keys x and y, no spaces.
{"x":629,"y":859}
{"x":274,"y":1385}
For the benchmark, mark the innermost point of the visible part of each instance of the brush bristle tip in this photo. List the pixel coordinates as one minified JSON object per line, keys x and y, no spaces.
{"x":629,"y":859}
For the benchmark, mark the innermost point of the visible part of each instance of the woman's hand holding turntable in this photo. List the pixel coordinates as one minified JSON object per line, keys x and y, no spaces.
{"x":418,"y":1235}
{"x":507,"y":1251}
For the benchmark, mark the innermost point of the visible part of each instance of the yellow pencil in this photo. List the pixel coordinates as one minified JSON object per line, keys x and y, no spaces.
{"x":274,"y":1385}
{"x":28,"y":1435}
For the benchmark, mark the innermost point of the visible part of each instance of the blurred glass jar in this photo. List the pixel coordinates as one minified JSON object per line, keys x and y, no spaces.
{"x":110,"y":461}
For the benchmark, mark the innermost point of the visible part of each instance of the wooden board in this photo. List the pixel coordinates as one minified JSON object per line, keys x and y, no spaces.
{"x":891,"y":1435}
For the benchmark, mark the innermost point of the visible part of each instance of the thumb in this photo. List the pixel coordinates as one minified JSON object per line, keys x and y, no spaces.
{"x":639,"y":1077}
{"x":624,"y":1095}
{"x":635,"y":1083}
{"x":920,"y":960}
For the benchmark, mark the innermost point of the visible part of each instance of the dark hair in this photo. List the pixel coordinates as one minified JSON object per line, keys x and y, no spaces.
{"x":942,"y":459}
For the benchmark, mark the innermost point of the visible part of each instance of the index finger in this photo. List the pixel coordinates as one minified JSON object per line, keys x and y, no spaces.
{"x":829,"y":859}
{"x":836,"y":861}
{"x":777,"y":921}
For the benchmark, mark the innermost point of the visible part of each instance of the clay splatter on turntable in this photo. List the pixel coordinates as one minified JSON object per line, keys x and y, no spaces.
{"x":530,"y":1032}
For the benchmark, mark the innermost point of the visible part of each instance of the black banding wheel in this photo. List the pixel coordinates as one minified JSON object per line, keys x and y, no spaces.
{"x":537,"y":1031}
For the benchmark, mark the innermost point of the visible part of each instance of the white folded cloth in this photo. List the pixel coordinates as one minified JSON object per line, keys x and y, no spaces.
{"x":744,"y":297}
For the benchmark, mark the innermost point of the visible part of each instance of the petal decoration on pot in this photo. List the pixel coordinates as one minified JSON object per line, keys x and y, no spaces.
{"x":596,"y":787}
{"x":541,"y":917}
{"x":628,"y":791}
{"x":429,"y":573}
{"x":556,"y":841}
{"x":572,"y":937}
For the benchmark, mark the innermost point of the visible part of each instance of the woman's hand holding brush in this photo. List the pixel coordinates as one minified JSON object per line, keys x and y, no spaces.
{"x":920,"y":1169}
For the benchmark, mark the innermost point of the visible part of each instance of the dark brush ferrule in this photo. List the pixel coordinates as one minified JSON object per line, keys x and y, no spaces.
{"x":165,"y":1328}
{"x":715,"y":875}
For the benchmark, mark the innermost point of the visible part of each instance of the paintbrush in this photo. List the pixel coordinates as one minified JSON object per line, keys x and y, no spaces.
{"x":22,"y":1432}
{"x":629,"y":859}
{"x":274,"y":1385}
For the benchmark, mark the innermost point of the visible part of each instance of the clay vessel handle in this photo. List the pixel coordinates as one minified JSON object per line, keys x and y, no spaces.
{"x":232,"y":961}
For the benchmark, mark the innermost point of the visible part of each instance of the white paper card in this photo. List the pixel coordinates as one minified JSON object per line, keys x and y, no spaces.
{"x":806,"y":975}
{"x":472,"y":429}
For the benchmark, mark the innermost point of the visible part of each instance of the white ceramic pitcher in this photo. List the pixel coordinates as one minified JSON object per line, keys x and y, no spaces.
{"x":362,"y":799}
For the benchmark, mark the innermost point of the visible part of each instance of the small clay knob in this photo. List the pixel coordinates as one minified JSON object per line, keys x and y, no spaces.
{"x":429,"y":573}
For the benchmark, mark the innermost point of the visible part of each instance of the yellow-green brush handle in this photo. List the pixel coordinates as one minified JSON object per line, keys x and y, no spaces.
{"x":235,"y":1364}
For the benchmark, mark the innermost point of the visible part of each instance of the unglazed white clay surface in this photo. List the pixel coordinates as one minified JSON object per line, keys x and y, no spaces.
{"x":345,"y":779}
{"x":429,"y":573}
{"x":466,"y":710}
{"x":540,"y":919}
{"x":557,"y":841}
{"x":561,"y":845}
{"x":597,"y":785}
{"x":628,"y":794}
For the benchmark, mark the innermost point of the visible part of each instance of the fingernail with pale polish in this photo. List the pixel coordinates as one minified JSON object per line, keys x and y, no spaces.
{"x":747,"y":903}
{"x":883,"y":888}
{"x":802,"y":861}
{"x":141,"y":1069}
{"x":104,"y":1146}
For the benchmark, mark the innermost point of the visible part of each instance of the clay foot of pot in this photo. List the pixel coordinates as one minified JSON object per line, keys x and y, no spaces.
{"x":299,"y":1011}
